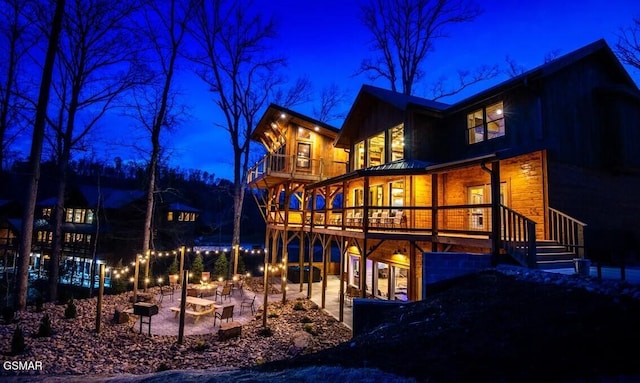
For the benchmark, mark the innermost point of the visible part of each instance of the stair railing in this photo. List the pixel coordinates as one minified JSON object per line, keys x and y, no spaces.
{"x":567,"y":231}
{"x":518,"y":235}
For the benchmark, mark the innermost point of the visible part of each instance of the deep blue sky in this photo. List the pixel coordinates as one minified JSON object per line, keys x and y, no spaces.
{"x":325,"y":40}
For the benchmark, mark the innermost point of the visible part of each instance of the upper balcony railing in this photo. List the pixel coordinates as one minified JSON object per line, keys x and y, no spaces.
{"x":290,"y":166}
{"x":460,"y":219}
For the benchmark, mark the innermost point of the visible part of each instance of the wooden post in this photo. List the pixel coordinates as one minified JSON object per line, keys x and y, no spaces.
{"x":183,"y":305}
{"x":182,"y":251}
{"x":99,"y":304}
{"x":266,"y":283}
{"x":495,"y":213}
{"x":434,"y":212}
{"x":135,"y":278}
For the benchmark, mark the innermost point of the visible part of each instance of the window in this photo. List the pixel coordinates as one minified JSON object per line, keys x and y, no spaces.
{"x":304,"y":133}
{"x":397,"y":193}
{"x":79,"y":216}
{"x":170,"y":216}
{"x":46,"y":212}
{"x":397,"y":142}
{"x":376,"y":150}
{"x":358,"y":156}
{"x":486,"y":123}
{"x":303,"y":159}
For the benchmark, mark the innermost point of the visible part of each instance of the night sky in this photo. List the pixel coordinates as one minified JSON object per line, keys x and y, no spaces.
{"x":326,"y":41}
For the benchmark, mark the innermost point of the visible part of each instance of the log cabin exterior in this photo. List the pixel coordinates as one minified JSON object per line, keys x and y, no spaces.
{"x":537,"y":171}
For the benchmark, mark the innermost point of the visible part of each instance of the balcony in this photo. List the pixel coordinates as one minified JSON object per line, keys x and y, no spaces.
{"x":289,"y":167}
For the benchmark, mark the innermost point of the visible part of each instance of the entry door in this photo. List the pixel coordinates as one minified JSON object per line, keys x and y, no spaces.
{"x":479,"y":194}
{"x":476,"y":215}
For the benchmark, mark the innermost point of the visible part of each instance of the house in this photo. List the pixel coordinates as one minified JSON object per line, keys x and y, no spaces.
{"x":536,"y":171}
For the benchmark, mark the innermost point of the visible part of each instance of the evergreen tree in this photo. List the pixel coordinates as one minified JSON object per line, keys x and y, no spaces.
{"x":173,"y":268}
{"x":220,"y":267}
{"x":197,"y":267}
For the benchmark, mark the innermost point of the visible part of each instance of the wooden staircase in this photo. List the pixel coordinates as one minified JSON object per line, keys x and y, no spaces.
{"x":565,"y":243}
{"x":552,"y":255}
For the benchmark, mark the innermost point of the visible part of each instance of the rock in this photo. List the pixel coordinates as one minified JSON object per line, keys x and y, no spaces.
{"x":229,"y":330}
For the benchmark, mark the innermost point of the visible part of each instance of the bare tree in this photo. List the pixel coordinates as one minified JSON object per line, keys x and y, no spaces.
{"x":466,"y":78}
{"x":331,"y":98}
{"x":628,"y":45}
{"x":97,"y":65}
{"x":16,"y":40}
{"x":513,"y":68}
{"x":165,"y":24}
{"x":35,"y":157}
{"x":404,"y":33}
{"x":235,"y":62}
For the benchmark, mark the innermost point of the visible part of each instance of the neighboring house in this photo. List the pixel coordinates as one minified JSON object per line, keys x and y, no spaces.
{"x":538,"y":170}
{"x":92,"y":214}
{"x":176,"y":225}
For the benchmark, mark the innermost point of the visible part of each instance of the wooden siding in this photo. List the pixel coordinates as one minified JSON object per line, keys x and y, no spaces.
{"x":607,"y":202}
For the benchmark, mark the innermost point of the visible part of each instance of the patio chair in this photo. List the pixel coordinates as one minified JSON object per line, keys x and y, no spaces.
{"x":227,"y":313}
{"x":248,"y":303}
{"x":166,"y":291}
{"x":238,"y":286}
{"x":384,"y":219}
{"x":224,"y":293}
{"x":398,"y":219}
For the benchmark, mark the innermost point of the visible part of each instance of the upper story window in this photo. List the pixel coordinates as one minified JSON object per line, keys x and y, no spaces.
{"x":79,"y":216}
{"x":384,"y":147}
{"x":358,"y":159}
{"x":376,"y":150}
{"x":397,"y":142}
{"x":46,"y":212}
{"x":186,"y":217}
{"x":170,"y":216}
{"x":486,"y":123}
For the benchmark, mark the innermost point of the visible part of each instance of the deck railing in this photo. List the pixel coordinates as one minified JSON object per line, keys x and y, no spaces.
{"x":292,"y":166}
{"x":567,"y":231}
{"x":518,"y":235}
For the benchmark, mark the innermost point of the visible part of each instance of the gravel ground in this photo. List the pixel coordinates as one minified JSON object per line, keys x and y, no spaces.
{"x":75,"y":349}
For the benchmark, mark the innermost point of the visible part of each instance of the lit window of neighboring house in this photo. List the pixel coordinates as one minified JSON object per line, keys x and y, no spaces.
{"x":45,"y":236}
{"x":486,"y":123}
{"x":79,"y":216}
{"x":170,"y":216}
{"x":46,"y":212}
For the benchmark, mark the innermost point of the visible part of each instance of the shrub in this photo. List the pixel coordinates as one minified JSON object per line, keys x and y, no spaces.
{"x":200,"y":345}
{"x":45,"y":327}
{"x":163,"y":367}
{"x":309,"y":328}
{"x":70,"y":311}
{"x":305,"y":319}
{"x":17,"y":342}
{"x":298,"y":306}
{"x":273,"y":314}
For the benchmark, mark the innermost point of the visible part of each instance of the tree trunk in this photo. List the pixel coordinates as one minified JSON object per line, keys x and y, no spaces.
{"x":35,"y":156}
{"x":56,"y":248}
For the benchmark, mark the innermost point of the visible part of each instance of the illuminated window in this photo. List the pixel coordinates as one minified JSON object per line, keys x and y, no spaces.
{"x":358,"y":156}
{"x":46,"y":212}
{"x":304,"y":133}
{"x":486,"y":123}
{"x":397,"y":142}
{"x":170,"y":216}
{"x":397,"y":193}
{"x":303,"y":159}
{"x":376,"y":150}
